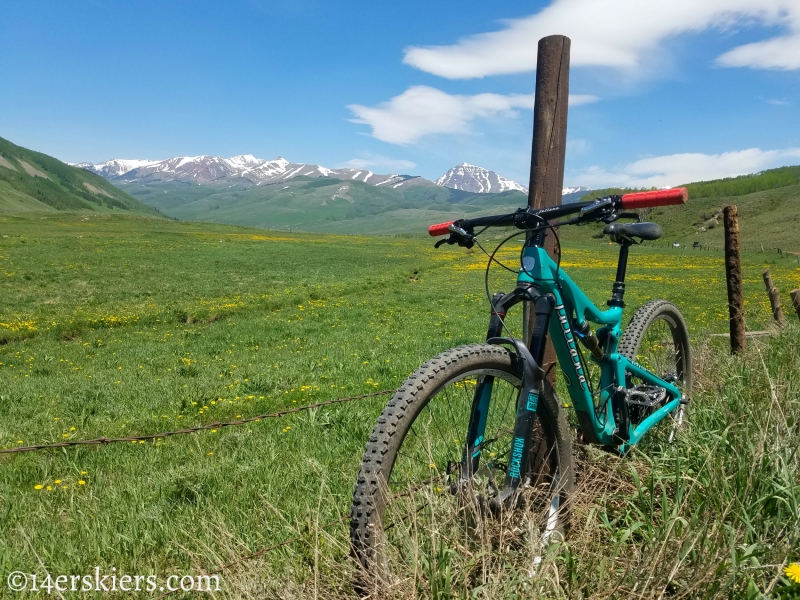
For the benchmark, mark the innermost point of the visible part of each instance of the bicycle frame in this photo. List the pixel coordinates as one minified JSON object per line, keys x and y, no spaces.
{"x":572,"y":303}
{"x":560,"y":303}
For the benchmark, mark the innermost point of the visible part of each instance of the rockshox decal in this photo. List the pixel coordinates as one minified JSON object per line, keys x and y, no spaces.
{"x":477,"y":445}
{"x":533,"y":401}
{"x":516,"y":458}
{"x":573,"y":351}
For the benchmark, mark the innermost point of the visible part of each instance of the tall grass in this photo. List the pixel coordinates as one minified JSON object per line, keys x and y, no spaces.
{"x":115,"y":326}
{"x":714,"y":514}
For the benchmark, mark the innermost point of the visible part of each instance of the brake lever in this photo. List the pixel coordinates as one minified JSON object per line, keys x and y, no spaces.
{"x":457,"y":236}
{"x":596,"y":206}
{"x":616,"y":216}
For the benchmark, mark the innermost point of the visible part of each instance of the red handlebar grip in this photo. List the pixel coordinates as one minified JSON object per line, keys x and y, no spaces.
{"x":440,"y":229}
{"x":655,"y":198}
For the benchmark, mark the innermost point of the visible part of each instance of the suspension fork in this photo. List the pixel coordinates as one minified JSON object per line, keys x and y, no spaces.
{"x":482,"y":396}
{"x":530,"y":388}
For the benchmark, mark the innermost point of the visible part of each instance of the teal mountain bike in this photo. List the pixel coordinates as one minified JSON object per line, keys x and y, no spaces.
{"x":477,"y":433}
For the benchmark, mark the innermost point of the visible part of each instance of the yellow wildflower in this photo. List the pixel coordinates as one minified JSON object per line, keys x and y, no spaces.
{"x":793,"y":572}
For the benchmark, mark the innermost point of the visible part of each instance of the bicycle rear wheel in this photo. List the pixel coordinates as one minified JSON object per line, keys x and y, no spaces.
{"x":409,"y":489}
{"x":657,"y":338}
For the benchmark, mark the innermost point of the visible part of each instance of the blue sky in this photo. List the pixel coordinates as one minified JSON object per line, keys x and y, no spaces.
{"x":665,"y":92}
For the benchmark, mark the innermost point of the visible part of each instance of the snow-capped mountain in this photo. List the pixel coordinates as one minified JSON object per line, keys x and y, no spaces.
{"x":471,"y":178}
{"x":114,"y":167}
{"x":244,"y":168}
{"x":250,"y":170}
{"x":574,"y":190}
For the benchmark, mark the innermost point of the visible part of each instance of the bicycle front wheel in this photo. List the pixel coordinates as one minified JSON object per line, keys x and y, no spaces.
{"x":410,"y":492}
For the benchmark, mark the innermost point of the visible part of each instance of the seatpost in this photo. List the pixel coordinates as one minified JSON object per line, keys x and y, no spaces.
{"x":618,"y":289}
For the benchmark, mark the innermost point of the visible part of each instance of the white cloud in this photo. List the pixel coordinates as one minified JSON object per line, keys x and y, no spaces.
{"x":781,"y":53}
{"x":377,"y":161}
{"x":615,"y":33}
{"x":778,"y":101}
{"x":423,"y":110}
{"x":676,"y":169}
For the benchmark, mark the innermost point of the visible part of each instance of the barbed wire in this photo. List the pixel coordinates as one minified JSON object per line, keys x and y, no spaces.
{"x":164,"y":434}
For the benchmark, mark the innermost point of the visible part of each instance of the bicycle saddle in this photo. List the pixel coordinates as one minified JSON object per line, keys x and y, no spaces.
{"x":625,"y":231}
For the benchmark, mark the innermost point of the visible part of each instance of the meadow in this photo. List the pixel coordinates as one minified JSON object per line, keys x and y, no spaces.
{"x":117,"y":326}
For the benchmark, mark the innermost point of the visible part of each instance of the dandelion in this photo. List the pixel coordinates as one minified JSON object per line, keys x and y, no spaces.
{"x":57,"y":481}
{"x":213,"y":431}
{"x":793,"y":572}
{"x":209,"y":454}
{"x":38,"y":487}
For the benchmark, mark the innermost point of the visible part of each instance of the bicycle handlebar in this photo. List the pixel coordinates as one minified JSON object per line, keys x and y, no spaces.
{"x":626,"y":201}
{"x":655,"y":198}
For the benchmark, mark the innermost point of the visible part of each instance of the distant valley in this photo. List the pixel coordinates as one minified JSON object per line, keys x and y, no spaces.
{"x":278,"y":193}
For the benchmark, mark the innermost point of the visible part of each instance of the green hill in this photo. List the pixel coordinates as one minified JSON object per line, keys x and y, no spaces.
{"x":770,"y":218}
{"x":323,"y":204}
{"x":32,"y":181}
{"x":768,"y":202}
{"x":728,"y":187}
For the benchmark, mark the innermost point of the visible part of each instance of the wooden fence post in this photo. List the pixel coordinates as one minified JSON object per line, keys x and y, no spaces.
{"x":774,"y":298}
{"x":795,"y":296}
{"x":733,"y":276}
{"x":548,"y":151}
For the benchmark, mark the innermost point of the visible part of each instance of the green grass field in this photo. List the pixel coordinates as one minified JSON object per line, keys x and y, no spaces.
{"x":116,"y":326}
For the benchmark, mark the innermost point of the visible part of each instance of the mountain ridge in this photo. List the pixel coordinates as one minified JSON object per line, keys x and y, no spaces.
{"x":215,"y":170}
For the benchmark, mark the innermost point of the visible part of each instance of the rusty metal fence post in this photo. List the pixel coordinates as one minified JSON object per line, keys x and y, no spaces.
{"x":733,"y":276}
{"x":774,"y":298}
{"x":795,"y":296}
